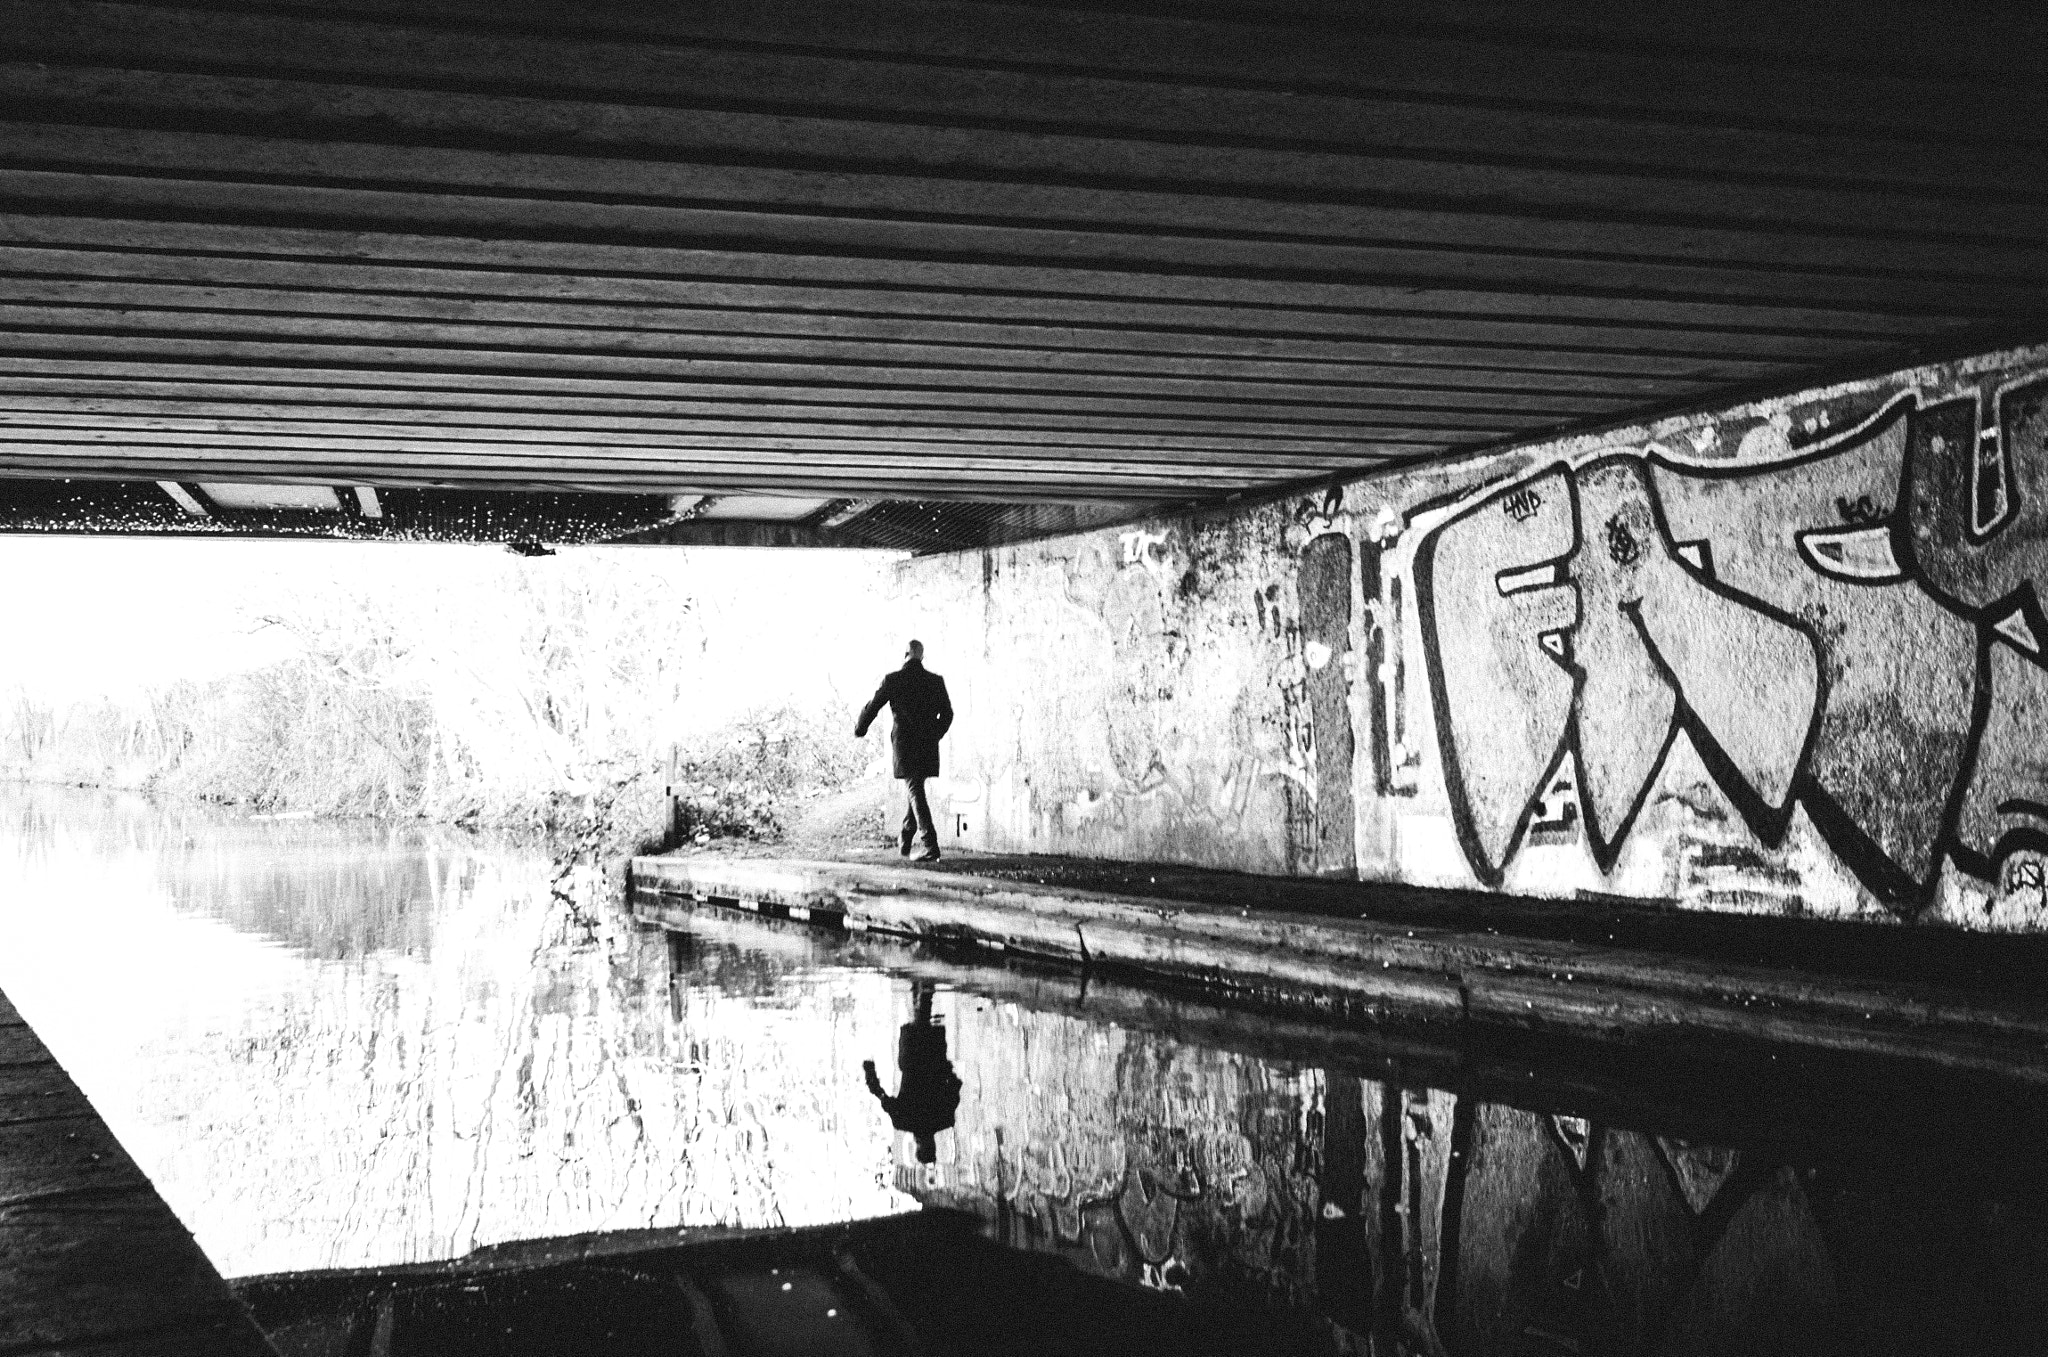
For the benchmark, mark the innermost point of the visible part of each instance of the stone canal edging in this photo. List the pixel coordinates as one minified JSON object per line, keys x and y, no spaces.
{"x":91,"y":1258}
{"x":1363,"y":969}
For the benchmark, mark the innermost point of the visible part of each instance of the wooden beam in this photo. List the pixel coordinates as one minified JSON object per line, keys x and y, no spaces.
{"x":1291,"y":247}
{"x":1248,"y":79}
{"x":1539,"y":316}
{"x":545,"y":475}
{"x":307,"y":109}
{"x":869,"y":249}
{"x":846,"y":362}
{"x":856,"y":444}
{"x":893,"y":428}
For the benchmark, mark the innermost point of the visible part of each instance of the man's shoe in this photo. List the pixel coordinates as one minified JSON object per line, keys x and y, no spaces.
{"x":904,"y":849}
{"x":928,"y":855}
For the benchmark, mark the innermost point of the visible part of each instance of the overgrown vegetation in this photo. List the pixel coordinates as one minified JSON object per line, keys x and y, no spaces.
{"x":747,"y":779}
{"x":565,"y":699}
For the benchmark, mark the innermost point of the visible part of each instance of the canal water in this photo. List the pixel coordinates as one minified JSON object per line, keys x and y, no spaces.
{"x":348,"y":1045}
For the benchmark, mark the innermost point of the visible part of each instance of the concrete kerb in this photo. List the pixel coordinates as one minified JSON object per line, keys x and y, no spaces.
{"x":1362,"y":969}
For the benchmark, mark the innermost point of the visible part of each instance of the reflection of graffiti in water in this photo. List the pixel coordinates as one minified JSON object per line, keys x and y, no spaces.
{"x":1179,"y":1211}
{"x":1171,"y":1167}
{"x":1532,"y":1233}
{"x":1132,"y":1232}
{"x":1856,"y":630}
{"x":1437,"y":1224}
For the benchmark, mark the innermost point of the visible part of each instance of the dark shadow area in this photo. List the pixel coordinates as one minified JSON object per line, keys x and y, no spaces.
{"x":928,"y":1282}
{"x":1328,"y":1184}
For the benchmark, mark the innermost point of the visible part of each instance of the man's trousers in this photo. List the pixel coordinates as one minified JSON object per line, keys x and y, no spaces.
{"x":917,"y":818}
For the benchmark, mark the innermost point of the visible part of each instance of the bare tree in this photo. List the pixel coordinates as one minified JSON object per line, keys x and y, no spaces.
{"x":34,"y":723}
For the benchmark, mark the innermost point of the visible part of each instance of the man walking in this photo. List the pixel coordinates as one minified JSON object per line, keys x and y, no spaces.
{"x":923,"y":715}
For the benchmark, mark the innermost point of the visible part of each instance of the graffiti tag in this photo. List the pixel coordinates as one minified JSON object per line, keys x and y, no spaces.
{"x":1522,"y":505}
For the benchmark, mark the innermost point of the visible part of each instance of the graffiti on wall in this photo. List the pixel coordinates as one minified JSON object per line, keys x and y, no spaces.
{"x":1804,"y":677}
{"x":1854,"y":630}
{"x":1145,"y":692}
{"x":1323,"y":585}
{"x":1396,"y":760}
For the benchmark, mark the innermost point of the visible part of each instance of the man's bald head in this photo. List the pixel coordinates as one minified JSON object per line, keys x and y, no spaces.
{"x":914,"y":651}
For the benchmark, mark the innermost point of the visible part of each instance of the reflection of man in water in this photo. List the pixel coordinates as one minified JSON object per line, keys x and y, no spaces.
{"x":923,"y":715}
{"x":929,"y":1093}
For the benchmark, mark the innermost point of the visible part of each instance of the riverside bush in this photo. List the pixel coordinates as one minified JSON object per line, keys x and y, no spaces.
{"x":560,"y":696}
{"x":744,"y":780}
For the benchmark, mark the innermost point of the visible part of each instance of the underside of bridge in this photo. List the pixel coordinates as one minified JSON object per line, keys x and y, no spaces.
{"x":933,"y":273}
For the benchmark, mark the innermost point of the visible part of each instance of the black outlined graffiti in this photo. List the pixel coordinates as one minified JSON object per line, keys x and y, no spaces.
{"x":1380,"y":733}
{"x":1395,"y":760}
{"x":1654,"y":645}
{"x":1985,"y":565}
{"x":1975,"y":533}
{"x":1894,"y":721}
{"x":1498,"y":570}
{"x":2004,"y":806}
{"x":1555,"y":817}
{"x":1856,"y":630}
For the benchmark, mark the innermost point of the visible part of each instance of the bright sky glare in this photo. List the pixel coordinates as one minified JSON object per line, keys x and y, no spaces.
{"x":113,"y":616}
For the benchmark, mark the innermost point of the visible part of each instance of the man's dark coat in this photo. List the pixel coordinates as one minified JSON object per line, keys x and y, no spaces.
{"x":923,"y":715}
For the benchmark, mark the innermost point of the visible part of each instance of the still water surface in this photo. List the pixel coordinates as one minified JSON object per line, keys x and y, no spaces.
{"x":338,"y":1045}
{"x":351,"y":1045}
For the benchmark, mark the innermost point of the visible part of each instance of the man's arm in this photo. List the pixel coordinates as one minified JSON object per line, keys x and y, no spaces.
{"x":890,"y":1106}
{"x":945,"y":712}
{"x":872,"y":710}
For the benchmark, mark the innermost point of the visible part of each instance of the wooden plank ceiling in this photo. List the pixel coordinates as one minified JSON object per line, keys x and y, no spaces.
{"x":903,"y":250}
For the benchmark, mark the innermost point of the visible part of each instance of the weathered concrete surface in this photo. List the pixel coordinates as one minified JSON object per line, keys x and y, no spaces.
{"x":1136,"y":694}
{"x":1786,"y":658}
{"x":1957,"y":958}
{"x":90,"y":1257}
{"x":1379,"y":970}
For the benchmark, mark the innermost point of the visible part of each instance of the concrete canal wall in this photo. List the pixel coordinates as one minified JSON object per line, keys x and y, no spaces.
{"x":1784,"y":657}
{"x":91,"y":1258}
{"x":1377,"y":970}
